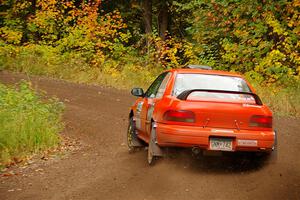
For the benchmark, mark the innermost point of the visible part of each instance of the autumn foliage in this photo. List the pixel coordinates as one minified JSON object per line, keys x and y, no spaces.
{"x":127,"y":43}
{"x":258,"y":38}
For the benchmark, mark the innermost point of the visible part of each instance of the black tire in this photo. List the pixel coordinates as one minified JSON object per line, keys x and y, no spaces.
{"x":133,"y":142}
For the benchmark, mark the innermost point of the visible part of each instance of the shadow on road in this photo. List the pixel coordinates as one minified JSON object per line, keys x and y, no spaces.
{"x":227,"y":163}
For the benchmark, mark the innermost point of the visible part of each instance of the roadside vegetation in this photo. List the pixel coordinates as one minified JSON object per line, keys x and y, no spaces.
{"x":29,"y":124}
{"x":127,"y":43}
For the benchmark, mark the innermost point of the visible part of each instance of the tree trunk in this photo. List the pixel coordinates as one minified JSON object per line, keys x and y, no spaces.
{"x":163,"y":20}
{"x":147,"y":15}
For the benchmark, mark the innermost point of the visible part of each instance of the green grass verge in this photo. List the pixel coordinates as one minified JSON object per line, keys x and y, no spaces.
{"x":28,"y":123}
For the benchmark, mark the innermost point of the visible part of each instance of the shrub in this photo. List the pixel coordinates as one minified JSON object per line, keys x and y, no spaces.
{"x":260,"y":37}
{"x":282,"y":101}
{"x":28,"y":124}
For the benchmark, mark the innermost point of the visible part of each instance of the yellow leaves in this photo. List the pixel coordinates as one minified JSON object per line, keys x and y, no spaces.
{"x":81,"y":29}
{"x":296,"y":3}
{"x":189,"y":53}
{"x":98,"y":59}
{"x":262,"y":38}
{"x":276,"y":54}
{"x":272,"y":59}
{"x":22,"y":5}
{"x":11,"y":36}
{"x":230,"y":47}
{"x":47,"y":4}
{"x":170,"y":52}
{"x":295,"y":57}
{"x":275,"y":24}
{"x":298,"y":71}
{"x":272,"y":66}
{"x":125,"y":37}
{"x":241,"y":33}
{"x":166,"y":54}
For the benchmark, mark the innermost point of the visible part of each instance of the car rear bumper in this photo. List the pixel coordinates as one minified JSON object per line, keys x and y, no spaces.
{"x":192,"y":136}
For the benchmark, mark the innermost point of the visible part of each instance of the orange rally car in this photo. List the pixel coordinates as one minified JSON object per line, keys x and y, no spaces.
{"x":200,"y":108}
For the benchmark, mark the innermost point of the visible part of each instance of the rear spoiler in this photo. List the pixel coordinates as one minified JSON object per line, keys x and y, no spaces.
{"x":184,"y":95}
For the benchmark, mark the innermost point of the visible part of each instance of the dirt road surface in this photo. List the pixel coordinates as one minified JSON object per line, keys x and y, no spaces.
{"x":103,"y":168}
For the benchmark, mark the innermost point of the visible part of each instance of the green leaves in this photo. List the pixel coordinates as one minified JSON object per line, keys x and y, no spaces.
{"x":250,"y":36}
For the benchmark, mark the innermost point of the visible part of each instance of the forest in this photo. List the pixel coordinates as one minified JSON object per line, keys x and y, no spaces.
{"x":125,"y":43}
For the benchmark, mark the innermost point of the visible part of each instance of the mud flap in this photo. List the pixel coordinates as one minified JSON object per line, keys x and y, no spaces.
{"x":135,"y":141}
{"x":156,"y":150}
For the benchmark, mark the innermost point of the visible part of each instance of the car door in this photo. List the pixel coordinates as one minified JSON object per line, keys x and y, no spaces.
{"x":153,"y":94}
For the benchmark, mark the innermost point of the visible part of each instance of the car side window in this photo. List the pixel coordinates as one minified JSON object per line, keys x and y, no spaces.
{"x":163,"y":86}
{"x":153,"y":89}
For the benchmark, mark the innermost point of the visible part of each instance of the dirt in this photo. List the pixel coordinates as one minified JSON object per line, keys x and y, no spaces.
{"x":103,"y":168}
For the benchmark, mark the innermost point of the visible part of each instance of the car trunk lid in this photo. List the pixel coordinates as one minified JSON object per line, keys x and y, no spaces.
{"x":228,"y":111}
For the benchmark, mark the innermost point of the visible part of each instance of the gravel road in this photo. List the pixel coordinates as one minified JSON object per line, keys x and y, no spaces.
{"x":103,"y":168}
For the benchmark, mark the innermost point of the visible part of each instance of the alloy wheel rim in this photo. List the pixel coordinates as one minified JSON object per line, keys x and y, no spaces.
{"x":129,"y":136}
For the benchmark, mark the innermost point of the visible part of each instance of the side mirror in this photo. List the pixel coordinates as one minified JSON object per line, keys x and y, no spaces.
{"x":138,"y":92}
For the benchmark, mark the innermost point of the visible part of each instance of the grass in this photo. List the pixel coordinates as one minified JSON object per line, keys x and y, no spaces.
{"x":126,"y":73}
{"x":28,"y":123}
{"x":282,"y":101}
{"x":45,"y":60}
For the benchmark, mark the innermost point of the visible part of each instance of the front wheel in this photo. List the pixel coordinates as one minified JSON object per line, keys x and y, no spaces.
{"x":133,"y":142}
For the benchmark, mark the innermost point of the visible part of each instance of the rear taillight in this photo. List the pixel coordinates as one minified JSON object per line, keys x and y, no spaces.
{"x":179,"y":116}
{"x":261,"y":121}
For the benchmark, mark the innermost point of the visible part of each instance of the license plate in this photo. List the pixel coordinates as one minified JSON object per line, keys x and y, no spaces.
{"x":220,"y":144}
{"x":247,"y":143}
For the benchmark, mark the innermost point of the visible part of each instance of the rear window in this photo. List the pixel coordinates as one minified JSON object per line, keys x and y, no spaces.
{"x":212,"y":82}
